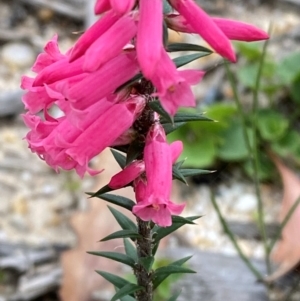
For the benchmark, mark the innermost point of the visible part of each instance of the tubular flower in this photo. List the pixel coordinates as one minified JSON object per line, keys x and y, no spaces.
{"x":233,"y":30}
{"x":153,"y":196}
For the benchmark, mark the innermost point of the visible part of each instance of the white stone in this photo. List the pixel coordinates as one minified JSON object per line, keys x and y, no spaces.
{"x":246,"y":203}
{"x":18,"y":55}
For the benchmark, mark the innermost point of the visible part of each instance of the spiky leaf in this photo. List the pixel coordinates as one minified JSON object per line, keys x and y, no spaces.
{"x":130,"y":249}
{"x":157,"y":107}
{"x":190,"y":172}
{"x":122,"y":234}
{"x":175,"y":296}
{"x":130,"y":82}
{"x":126,"y":290}
{"x":187,"y":47}
{"x":147,"y":262}
{"x":178,"y":175}
{"x":114,"y":279}
{"x":117,"y":200}
{"x":125,"y":222}
{"x":121,"y":159}
{"x":115,"y":256}
{"x":185,"y":59}
{"x":170,"y":127}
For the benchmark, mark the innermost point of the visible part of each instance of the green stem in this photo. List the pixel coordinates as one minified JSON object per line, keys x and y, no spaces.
{"x":226,"y":229}
{"x":283,"y":224}
{"x":260,"y":206}
{"x":144,"y":249}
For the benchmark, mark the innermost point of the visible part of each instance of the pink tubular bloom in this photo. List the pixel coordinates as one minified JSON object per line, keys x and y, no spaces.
{"x":102,"y":82}
{"x":109,"y":44}
{"x":102,"y":6}
{"x":127,"y":175}
{"x":154,"y":196}
{"x":234,"y":30}
{"x":92,"y":34}
{"x":173,"y":86}
{"x":149,"y":35}
{"x":205,"y":27}
{"x":122,"y":7}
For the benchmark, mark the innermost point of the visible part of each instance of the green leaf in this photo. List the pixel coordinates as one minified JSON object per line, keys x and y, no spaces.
{"x":134,"y":151}
{"x":175,"y":296}
{"x":187,"y":47}
{"x":130,"y":82}
{"x":130,"y":249}
{"x":121,"y":159}
{"x":122,"y":234}
{"x":127,"y":298}
{"x":114,"y":279}
{"x":159,"y":279}
{"x":251,"y":51}
{"x":163,"y":232}
{"x":178,"y":175}
{"x":167,"y":8}
{"x":147,"y":262}
{"x":182,"y":220}
{"x":185,"y":59}
{"x":115,"y":256}
{"x":234,"y":146}
{"x":170,"y":127}
{"x":271,"y":125}
{"x":125,"y":222}
{"x":190,"y":172}
{"x":186,"y":116}
{"x":157,"y":107}
{"x":288,"y":69}
{"x":102,"y":190}
{"x":117,"y":200}
{"x":172,"y":269}
{"x":128,"y":289}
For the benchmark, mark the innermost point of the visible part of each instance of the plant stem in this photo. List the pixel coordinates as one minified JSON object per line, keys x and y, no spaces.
{"x":226,"y":229}
{"x":144,"y":250}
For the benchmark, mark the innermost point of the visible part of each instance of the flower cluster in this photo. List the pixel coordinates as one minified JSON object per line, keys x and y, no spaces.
{"x":127,"y":40}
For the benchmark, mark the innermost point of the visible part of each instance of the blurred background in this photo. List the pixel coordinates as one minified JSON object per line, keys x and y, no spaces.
{"x":47,"y":223}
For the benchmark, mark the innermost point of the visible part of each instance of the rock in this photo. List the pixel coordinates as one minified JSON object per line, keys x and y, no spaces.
{"x":18,"y":55}
{"x":246,"y":203}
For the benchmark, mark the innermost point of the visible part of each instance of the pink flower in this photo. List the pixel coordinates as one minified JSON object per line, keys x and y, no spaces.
{"x":99,"y":84}
{"x":173,"y":86}
{"x":127,"y":175}
{"x":153,"y":196}
{"x":64,"y":145}
{"x":149,"y":35}
{"x":109,"y":44}
{"x":120,"y":7}
{"x":234,"y":30}
{"x":205,"y":27}
{"x":92,"y":34}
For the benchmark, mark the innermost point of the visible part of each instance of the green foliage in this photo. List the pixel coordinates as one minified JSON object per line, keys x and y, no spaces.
{"x":224,"y":140}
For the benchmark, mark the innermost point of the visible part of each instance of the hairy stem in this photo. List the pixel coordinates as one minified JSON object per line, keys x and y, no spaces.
{"x":144,"y":250}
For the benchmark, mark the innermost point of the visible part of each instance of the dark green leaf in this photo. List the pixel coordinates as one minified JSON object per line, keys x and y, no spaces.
{"x":117,"y":200}
{"x":187,"y":47}
{"x":130,"y":82}
{"x":185,"y":117}
{"x":185,"y":59}
{"x":114,"y":279}
{"x":170,"y":127}
{"x":172,"y":269}
{"x":175,"y":296}
{"x":121,"y":159}
{"x":160,"y":278}
{"x":128,"y":289}
{"x":102,"y":190}
{"x":125,"y":222}
{"x":162,"y":232}
{"x":134,"y":151}
{"x":187,"y":172}
{"x":127,"y":298}
{"x":157,"y":107}
{"x":115,"y":256}
{"x":122,"y":234}
{"x":130,"y":249}
{"x":147,"y":262}
{"x":167,"y":8}
{"x":182,"y":220}
{"x":178,"y":175}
